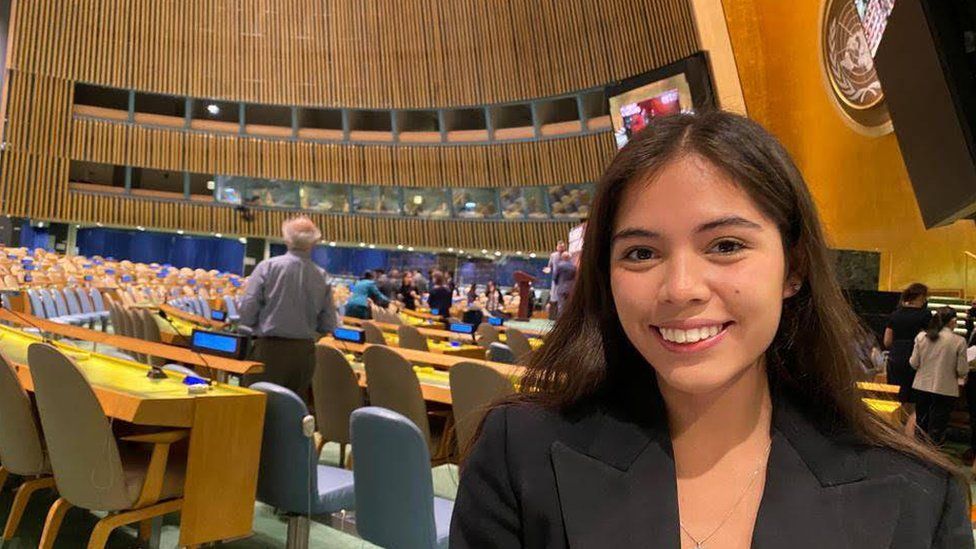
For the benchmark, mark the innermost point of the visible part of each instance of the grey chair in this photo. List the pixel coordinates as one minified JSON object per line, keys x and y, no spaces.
{"x":473,"y":388}
{"x":373,"y":333}
{"x":21,"y":446}
{"x":395,"y":503}
{"x":290,"y":478}
{"x":137,"y":330}
{"x":519,"y":344}
{"x":487,"y":334}
{"x":337,"y":393}
{"x":150,"y":332}
{"x":411,"y":338}
{"x":392,"y":384}
{"x":499,"y":352}
{"x":90,"y":468}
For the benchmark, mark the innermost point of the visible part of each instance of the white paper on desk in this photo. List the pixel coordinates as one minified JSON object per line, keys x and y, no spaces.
{"x":971,"y":354}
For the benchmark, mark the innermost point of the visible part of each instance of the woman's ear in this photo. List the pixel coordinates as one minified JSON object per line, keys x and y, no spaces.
{"x":792,"y":286}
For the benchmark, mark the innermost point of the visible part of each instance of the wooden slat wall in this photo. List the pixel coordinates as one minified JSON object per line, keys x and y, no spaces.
{"x":569,"y":160}
{"x":369,"y":53}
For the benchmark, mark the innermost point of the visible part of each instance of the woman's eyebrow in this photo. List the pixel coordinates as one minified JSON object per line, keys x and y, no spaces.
{"x":722,"y":222}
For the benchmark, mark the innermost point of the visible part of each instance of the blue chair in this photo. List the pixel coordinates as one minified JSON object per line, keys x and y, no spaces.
{"x":290,"y":477}
{"x":37,"y":306}
{"x":56,"y":310}
{"x":74,"y":308}
{"x":87,"y":307}
{"x":97,"y":302}
{"x":204,"y":307}
{"x":232,"y":314}
{"x":395,"y":503}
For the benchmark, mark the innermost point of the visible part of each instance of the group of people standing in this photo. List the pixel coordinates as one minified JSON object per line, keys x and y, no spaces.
{"x":928,"y":361}
{"x":563,"y":271}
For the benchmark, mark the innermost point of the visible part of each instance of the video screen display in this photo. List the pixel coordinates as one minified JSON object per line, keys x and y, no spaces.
{"x":874,"y":18}
{"x":633,"y":110}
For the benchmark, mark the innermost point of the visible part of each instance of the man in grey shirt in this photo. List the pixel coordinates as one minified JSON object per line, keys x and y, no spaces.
{"x":287,"y":305}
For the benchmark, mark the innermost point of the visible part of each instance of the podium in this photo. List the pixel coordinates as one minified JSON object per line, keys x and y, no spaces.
{"x":524,"y":282}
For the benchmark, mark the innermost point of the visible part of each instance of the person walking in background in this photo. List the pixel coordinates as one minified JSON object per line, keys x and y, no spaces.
{"x":408,"y":293}
{"x":939,"y":357}
{"x":564,"y":278}
{"x":287,"y":305}
{"x":440,"y":298}
{"x":357,"y":306}
{"x":550,"y":269}
{"x":911,"y":317}
{"x":970,"y":320}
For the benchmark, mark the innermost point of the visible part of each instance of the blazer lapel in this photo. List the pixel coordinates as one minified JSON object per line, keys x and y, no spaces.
{"x":618,"y":489}
{"x":817,"y":493}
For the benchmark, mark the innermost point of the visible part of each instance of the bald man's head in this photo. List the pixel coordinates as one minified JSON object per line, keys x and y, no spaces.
{"x":300,"y":233}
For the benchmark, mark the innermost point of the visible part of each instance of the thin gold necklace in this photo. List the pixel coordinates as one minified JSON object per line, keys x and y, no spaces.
{"x":700,"y":544}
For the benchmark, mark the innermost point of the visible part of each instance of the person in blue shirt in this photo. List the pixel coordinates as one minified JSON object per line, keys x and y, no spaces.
{"x":357,"y":305}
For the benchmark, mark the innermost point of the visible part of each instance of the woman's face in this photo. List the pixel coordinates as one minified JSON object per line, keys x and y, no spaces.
{"x":698,"y":275}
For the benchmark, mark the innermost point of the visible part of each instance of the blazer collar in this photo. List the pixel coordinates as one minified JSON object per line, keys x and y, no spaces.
{"x":616,"y":485}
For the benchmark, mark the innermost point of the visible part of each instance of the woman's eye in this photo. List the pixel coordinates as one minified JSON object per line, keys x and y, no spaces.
{"x":727,"y":247}
{"x":640,"y":254}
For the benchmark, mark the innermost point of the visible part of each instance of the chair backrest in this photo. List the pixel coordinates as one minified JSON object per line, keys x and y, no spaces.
{"x":473,"y":387}
{"x":116,"y":319}
{"x":231,"y":306}
{"x":487,"y":334}
{"x":286,"y":478}
{"x":138,"y":330}
{"x":5,"y":301}
{"x":519,"y":344}
{"x":373,"y":333}
{"x":204,"y":307}
{"x":336,"y":392}
{"x":411,"y":338}
{"x":126,"y":321}
{"x":37,"y":305}
{"x":59,"y":302}
{"x":83,"y":452}
{"x":393,"y":384}
{"x":84,"y":300}
{"x":72,"y":300}
{"x":97,"y":300}
{"x":150,"y":332}
{"x":499,"y":352}
{"x":50,"y":308}
{"x":21,"y":450}
{"x":394,"y":485}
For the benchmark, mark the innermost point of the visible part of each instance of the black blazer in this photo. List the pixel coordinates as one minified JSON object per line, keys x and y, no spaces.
{"x":537,"y":478}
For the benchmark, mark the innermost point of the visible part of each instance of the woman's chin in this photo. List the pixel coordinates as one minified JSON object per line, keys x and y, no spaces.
{"x":698,"y":379}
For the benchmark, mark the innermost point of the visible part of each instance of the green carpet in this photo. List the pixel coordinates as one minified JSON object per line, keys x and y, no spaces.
{"x":270,"y":531}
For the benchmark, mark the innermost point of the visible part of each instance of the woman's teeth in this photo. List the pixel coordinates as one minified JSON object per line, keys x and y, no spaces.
{"x":693,"y":335}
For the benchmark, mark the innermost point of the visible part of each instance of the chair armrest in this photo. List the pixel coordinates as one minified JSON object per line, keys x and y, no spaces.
{"x":162,"y":437}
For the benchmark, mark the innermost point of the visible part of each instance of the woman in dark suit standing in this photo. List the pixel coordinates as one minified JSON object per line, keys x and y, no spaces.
{"x":698,"y":390}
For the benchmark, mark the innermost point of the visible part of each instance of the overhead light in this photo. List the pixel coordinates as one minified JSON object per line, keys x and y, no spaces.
{"x":460,"y":251}
{"x":77,"y":226}
{"x":213,"y":109}
{"x":532,"y":255}
{"x":372,"y":246}
{"x":211,"y":185}
{"x":141,"y":228}
{"x":497,"y":253}
{"x":450,"y":249}
{"x":399,"y":246}
{"x":40,"y":225}
{"x":518,"y":252}
{"x":332,"y":243}
{"x":418,"y":199}
{"x":242,"y":240}
{"x":179,"y":231}
{"x":98,"y":224}
{"x":410,"y":249}
{"x":218,"y":235}
{"x":484,"y":251}
{"x":469,"y":205}
{"x":362,"y":244}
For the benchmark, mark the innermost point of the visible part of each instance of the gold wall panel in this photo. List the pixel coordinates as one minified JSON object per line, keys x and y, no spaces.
{"x":860,"y":183}
{"x":568,"y":160}
{"x":367,"y":53}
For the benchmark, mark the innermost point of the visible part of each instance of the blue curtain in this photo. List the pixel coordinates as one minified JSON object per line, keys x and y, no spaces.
{"x":196,"y":252}
{"x":34,"y":237}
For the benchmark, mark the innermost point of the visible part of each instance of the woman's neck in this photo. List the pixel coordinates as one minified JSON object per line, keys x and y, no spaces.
{"x":731,"y":421}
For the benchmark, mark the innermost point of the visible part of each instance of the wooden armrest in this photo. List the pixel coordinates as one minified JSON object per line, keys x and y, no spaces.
{"x":152,"y":485}
{"x":162,"y":437}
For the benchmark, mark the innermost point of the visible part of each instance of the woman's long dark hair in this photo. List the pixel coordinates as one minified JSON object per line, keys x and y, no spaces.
{"x":942,"y":318}
{"x":587,"y":358}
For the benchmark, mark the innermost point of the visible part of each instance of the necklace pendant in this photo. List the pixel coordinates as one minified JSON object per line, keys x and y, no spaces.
{"x":699,"y":546}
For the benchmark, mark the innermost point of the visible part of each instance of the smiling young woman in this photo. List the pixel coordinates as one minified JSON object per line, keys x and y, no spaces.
{"x":699,"y":390}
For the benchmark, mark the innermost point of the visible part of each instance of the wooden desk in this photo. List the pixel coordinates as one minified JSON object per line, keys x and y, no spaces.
{"x":444,"y":362}
{"x":226,"y":426}
{"x":881,"y":391}
{"x":140,"y":346}
{"x":887,"y":409}
{"x":206,"y":323}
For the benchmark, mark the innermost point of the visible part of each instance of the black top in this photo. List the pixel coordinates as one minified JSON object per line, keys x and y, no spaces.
{"x":905,"y":324}
{"x":600,"y":478}
{"x":440,"y":299}
{"x":407,"y":296}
